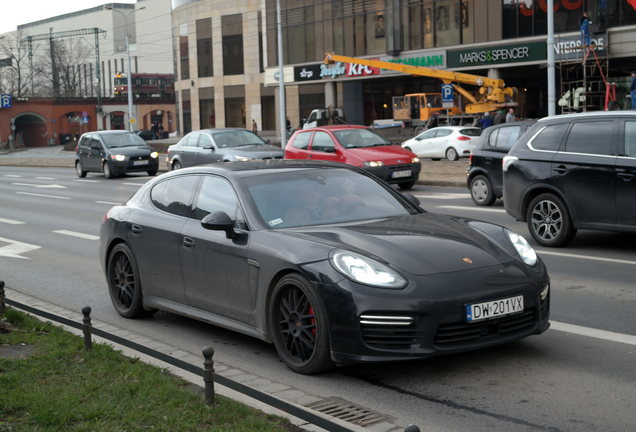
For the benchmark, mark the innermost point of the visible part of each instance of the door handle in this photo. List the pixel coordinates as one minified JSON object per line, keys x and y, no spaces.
{"x":561,"y":169}
{"x":136,"y":229}
{"x":624,"y":174}
{"x":310,"y":157}
{"x":188,"y":242}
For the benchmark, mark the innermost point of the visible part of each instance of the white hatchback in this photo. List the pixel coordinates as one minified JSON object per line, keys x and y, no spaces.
{"x":450,"y":142}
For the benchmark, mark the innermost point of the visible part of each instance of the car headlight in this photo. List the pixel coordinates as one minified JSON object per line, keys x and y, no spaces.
{"x":242,"y":158}
{"x":373,"y":164}
{"x":415,"y":160}
{"x":118,"y":157}
{"x":525,"y":251}
{"x":366,"y":270}
{"x":154,"y":155}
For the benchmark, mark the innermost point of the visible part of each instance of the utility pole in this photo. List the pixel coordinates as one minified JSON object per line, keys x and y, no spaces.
{"x":54,"y":73}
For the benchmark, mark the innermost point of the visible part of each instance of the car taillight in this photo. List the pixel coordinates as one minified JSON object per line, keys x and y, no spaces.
{"x":463,"y":138}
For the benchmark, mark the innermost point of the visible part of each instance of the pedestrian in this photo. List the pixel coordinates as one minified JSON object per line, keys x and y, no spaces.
{"x":485,"y":121}
{"x":254,"y":126}
{"x":500,"y":117}
{"x":160,"y":130}
{"x":153,"y":129}
{"x":632,"y":90}
{"x":510,"y":117}
{"x":585,"y":29}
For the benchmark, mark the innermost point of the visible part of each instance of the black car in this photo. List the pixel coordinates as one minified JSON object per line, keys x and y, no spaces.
{"x":113,"y":153}
{"x":484,"y":175}
{"x":575,"y":171}
{"x":219,"y":145}
{"x":323,"y":259}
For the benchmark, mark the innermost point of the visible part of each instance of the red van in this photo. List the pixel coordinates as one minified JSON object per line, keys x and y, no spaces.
{"x":358,"y":146}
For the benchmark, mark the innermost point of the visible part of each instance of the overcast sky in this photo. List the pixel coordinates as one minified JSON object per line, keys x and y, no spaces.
{"x":17,"y":12}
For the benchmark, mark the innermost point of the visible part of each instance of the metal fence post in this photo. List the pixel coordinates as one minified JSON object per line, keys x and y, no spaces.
{"x":208,"y":374}
{"x":86,"y":327}
{"x":2,"y":307}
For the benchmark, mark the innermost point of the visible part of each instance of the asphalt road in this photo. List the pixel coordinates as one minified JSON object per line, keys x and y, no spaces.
{"x":579,"y":376}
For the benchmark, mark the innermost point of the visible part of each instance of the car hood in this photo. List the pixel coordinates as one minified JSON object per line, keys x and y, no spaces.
{"x":255,"y":151}
{"x":390,"y":155}
{"x":419,"y":244}
{"x":131,"y":151}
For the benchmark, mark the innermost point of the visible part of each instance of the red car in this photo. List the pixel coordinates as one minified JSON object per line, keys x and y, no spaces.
{"x":358,"y":146}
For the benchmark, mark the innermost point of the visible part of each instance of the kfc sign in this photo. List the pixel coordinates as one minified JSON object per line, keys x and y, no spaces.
{"x":354,"y":70}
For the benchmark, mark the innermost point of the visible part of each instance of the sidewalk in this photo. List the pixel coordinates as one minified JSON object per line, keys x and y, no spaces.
{"x":434,"y":173}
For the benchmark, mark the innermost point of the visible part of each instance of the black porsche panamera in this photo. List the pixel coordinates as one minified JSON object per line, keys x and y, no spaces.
{"x":324,"y":260}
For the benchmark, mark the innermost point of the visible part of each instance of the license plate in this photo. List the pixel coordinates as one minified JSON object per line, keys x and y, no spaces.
{"x":140,"y":162}
{"x":494,"y":309}
{"x":400,"y":174}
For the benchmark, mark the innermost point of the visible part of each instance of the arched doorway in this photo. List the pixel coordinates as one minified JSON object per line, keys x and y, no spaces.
{"x":30,"y":130}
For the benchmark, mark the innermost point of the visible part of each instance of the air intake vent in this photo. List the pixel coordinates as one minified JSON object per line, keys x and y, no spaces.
{"x":385,"y":331}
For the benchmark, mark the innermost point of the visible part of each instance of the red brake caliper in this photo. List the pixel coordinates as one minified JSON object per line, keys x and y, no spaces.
{"x":312,"y":320}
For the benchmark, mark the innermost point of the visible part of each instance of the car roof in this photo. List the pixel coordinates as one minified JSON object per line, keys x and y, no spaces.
{"x":248,"y":167}
{"x":454,"y":127}
{"x":218,"y":130}
{"x":588,"y":114}
{"x":335,"y":127}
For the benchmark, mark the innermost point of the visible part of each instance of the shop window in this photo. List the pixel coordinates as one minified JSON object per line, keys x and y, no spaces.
{"x":232,"y":30}
{"x":207,"y":116}
{"x":204,"y":47}
{"x":184,"y":57}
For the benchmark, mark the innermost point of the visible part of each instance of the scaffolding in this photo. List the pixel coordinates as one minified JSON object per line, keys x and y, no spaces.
{"x":584,"y":84}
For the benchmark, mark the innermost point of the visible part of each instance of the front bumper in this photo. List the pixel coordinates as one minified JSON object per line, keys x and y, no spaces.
{"x":394,"y":173}
{"x":134,"y":165}
{"x":427,"y":318}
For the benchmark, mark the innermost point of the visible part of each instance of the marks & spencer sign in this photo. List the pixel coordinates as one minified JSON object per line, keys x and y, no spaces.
{"x":518,"y":53}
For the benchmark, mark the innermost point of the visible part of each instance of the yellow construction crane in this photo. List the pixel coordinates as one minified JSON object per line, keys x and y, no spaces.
{"x":491,"y":95}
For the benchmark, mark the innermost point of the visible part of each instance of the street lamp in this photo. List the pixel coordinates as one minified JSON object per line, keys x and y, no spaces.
{"x":131,"y":119}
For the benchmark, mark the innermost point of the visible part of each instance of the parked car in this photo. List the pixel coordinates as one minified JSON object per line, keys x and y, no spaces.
{"x":572,"y":172}
{"x":450,"y":142}
{"x":114,"y":152}
{"x":323,"y":259}
{"x":484,"y":175}
{"x":146,"y":135}
{"x":219,"y":145}
{"x":358,"y":146}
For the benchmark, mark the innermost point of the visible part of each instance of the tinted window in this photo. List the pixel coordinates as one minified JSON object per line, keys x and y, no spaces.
{"x":630,"y":138}
{"x":122,"y":140}
{"x":474,"y":132}
{"x":590,"y":137}
{"x":85,"y":141}
{"x":549,"y":138}
{"x":302,"y":140}
{"x":322,"y":142}
{"x":216,"y":194}
{"x":504,"y":138}
{"x":174,"y":195}
{"x":356,"y":138}
{"x":443,"y":133}
{"x":237,"y":138}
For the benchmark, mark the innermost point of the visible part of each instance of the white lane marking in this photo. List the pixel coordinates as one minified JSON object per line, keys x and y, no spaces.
{"x":87,"y":181}
{"x":444,"y":196}
{"x":49,"y":186}
{"x":13,"y":175}
{"x":586,"y":257}
{"x":11,"y":221}
{"x":493,"y":210}
{"x":593,"y":333}
{"x":134,"y":184}
{"x":77,"y":234}
{"x":16,"y":248}
{"x":45,"y":178}
{"x":42,"y":195}
{"x":107,"y":202}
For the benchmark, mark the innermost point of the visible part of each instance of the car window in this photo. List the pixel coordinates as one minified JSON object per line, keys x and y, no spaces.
{"x":322,"y":142}
{"x":189,"y":140}
{"x":504,"y":138}
{"x":204,"y":141}
{"x":443,"y":133}
{"x":590,"y":137}
{"x":112,"y":140}
{"x":359,"y":137}
{"x":630,"y":138}
{"x":474,"y":132}
{"x":216,"y":194}
{"x":174,"y":195}
{"x":85,"y":141}
{"x":237,"y":138}
{"x":301,"y":141}
{"x":428,"y":134}
{"x":549,"y":138}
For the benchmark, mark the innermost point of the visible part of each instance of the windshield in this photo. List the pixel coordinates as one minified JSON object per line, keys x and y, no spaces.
{"x":237,"y":138}
{"x":358,"y":138}
{"x":474,"y":132}
{"x":122,"y":140}
{"x":306,"y":197}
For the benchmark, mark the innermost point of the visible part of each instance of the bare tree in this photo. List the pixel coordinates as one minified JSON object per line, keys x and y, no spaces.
{"x":15,"y":78}
{"x":65,"y":72}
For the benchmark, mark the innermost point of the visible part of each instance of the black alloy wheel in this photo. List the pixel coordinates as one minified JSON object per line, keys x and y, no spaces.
{"x":123,"y":283}
{"x":451,"y":154}
{"x":298,"y":322}
{"x":108,"y":173}
{"x":481,"y":191}
{"x":549,"y":221}
{"x":80,"y":171}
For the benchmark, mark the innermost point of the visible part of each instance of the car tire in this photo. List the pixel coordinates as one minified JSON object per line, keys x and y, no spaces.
{"x":152,"y":172}
{"x":124,"y":285}
{"x":549,"y":221}
{"x":406,"y":185}
{"x":451,"y":154}
{"x":80,"y":171}
{"x":108,"y":173}
{"x":299,"y":327}
{"x":481,"y":191}
{"x":176,"y":165}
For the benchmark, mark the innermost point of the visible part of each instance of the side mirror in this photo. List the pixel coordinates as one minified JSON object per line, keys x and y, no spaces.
{"x":267,"y":140}
{"x":219,"y":221}
{"x":208,"y":147}
{"x":411,"y":198}
{"x":329,"y":150}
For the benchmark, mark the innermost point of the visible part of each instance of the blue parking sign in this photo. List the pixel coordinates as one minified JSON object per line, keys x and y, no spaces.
{"x":447,"y":95}
{"x":6,"y":101}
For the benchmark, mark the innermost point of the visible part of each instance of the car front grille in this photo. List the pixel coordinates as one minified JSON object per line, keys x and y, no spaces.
{"x":457,"y":334}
